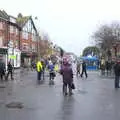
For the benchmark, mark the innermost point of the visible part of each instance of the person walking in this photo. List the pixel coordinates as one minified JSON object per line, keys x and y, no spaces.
{"x":108,"y":67}
{"x":102,"y":66}
{"x":67,"y":74}
{"x":43,"y":68}
{"x":2,"y":69}
{"x":51,"y":68}
{"x":84,"y":70}
{"x":78,"y":68}
{"x":10,"y":70}
{"x":33,"y":66}
{"x":39,"y":70}
{"x":117,"y":74}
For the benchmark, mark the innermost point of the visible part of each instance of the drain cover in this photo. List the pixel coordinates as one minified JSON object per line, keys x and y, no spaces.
{"x":17,"y":105}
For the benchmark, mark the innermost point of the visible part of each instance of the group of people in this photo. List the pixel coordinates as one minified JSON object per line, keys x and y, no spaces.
{"x":42,"y":65}
{"x":4,"y":74}
{"x":65,"y":70}
{"x":106,"y":66}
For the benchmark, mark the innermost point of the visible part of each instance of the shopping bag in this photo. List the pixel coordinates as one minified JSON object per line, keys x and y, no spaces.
{"x":73,"y":86}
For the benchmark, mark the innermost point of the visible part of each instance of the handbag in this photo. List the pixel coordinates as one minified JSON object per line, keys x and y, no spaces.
{"x":73,"y":86}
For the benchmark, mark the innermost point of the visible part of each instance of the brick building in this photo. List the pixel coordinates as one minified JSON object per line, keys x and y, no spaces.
{"x":9,"y":40}
{"x":18,"y":39}
{"x":115,"y":50}
{"x":28,"y":42}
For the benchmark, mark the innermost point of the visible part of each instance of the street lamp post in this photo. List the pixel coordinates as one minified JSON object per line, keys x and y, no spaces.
{"x":37,"y":37}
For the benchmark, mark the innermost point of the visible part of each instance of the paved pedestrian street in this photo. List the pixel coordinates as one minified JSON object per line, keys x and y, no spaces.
{"x":24,"y":99}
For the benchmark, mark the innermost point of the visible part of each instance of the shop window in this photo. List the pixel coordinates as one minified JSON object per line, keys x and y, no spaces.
{"x":33,"y":48}
{"x":16,"y":31}
{"x":11,"y":29}
{"x":1,"y":25}
{"x":33,"y":37}
{"x":25,"y":35}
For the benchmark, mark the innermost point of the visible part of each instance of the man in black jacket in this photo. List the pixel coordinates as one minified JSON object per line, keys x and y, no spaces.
{"x":10,"y":70}
{"x":117,"y":74}
{"x":84,"y":69}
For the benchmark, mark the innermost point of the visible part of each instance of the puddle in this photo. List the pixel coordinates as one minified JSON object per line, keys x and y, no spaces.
{"x":17,"y":105}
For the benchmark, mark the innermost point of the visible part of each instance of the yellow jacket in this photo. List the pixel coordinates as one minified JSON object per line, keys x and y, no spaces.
{"x":39,"y":66}
{"x":56,"y":68}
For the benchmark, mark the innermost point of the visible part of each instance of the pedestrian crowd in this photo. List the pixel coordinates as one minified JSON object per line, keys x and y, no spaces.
{"x":64,"y":68}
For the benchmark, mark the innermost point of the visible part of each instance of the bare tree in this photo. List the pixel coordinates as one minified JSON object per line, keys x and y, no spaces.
{"x":106,"y":35}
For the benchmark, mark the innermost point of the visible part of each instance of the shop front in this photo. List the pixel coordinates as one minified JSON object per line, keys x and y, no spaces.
{"x":3,"y":55}
{"x":14,"y":55}
{"x":27,"y":58}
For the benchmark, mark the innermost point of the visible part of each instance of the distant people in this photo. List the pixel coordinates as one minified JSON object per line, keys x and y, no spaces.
{"x":51,"y":68}
{"x":10,"y":70}
{"x":108,"y":67}
{"x":46,"y":62}
{"x":117,"y":74}
{"x":78,"y":68}
{"x":33,"y":65}
{"x":67,"y":74}
{"x":39,"y":70}
{"x":43,"y":68}
{"x":102,"y":67}
{"x":84,"y":69}
{"x":2,"y":69}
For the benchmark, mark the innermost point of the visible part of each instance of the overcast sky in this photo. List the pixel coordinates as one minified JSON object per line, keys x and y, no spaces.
{"x":69,"y":23}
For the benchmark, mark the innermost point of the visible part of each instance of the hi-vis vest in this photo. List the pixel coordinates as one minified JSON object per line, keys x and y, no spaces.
{"x":56,"y":68}
{"x":39,"y":66}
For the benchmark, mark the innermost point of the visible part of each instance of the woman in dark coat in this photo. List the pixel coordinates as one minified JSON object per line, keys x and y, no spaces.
{"x":67,"y":74}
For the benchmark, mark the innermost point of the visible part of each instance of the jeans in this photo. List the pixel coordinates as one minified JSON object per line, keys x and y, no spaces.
{"x":10,"y":72}
{"x":117,"y":81}
{"x":39,"y":75}
{"x":43,"y":74}
{"x":52,"y":75}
